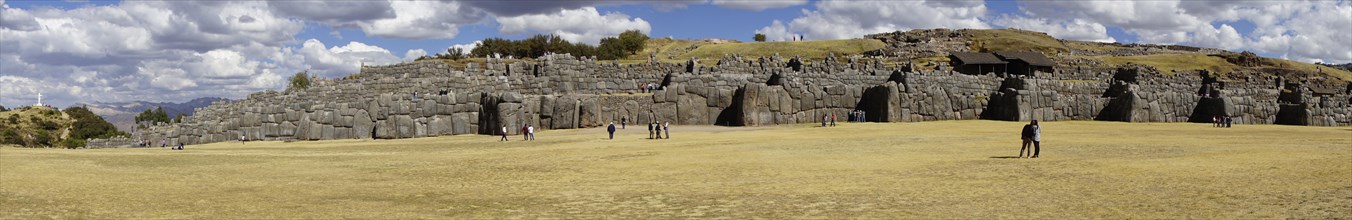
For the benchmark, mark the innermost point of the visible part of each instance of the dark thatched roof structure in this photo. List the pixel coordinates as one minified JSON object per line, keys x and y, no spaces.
{"x":967,"y":58}
{"x":1032,"y":58}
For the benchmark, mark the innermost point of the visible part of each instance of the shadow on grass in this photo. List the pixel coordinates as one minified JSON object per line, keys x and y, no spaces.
{"x":1004,"y":157}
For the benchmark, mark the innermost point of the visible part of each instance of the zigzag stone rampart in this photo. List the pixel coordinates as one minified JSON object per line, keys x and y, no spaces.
{"x":562,"y":92}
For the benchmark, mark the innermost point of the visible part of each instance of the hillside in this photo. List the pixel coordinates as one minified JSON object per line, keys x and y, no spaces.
{"x":123,"y":114}
{"x":1167,"y":58}
{"x":47,"y":127}
{"x":674,"y":51}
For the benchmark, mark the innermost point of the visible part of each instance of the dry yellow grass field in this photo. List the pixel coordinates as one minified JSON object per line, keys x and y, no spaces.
{"x":951,"y":169}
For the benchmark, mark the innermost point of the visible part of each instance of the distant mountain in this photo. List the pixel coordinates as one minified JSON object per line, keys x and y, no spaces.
{"x":123,"y":114}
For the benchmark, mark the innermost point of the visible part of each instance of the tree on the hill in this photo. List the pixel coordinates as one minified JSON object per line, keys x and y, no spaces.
{"x":158,"y":115}
{"x":759,"y":37}
{"x":300,"y":81}
{"x":632,"y":41}
{"x":88,"y":125}
{"x":2,"y":108}
{"x":611,"y":48}
{"x":178,"y":119}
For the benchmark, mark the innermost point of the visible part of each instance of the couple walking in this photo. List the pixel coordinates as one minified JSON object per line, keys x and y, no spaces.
{"x":1032,"y":134}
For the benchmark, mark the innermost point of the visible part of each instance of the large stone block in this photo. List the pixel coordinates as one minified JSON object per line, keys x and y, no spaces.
{"x":692,"y":110}
{"x":362,"y":125}
{"x":564,"y":113}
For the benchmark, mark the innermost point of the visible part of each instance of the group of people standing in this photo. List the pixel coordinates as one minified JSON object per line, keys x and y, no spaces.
{"x":857,"y":116}
{"x":1221,"y":121}
{"x":527,"y":132}
{"x":655,"y":129}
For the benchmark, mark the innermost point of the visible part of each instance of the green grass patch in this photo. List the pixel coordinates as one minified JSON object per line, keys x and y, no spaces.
{"x":1014,"y":40}
{"x":1170,"y":63}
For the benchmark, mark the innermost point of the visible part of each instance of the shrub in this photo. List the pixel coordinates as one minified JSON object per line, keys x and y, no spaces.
{"x":14,"y":119}
{"x":42,"y":138}
{"x":73,"y":143}
{"x":88,"y":125}
{"x":300,"y":81}
{"x":158,"y":115}
{"x":759,"y":37}
{"x":10,"y":137}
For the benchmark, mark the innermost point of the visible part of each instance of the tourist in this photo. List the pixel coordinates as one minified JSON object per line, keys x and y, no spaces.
{"x":624,"y":121}
{"x":650,"y":130}
{"x":1027,"y":137}
{"x":1228,"y":120}
{"x":1037,"y":139}
{"x":504,"y":133}
{"x":163,"y":143}
{"x":530,"y":131}
{"x":525,"y":135}
{"x":657,"y":127}
{"x":241,"y":139}
{"x":824,"y":117}
{"x":833,"y":119}
{"x":667,"y":127}
{"x":611,"y":130}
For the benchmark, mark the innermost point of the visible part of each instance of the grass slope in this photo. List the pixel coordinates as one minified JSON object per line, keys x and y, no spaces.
{"x":993,"y":40}
{"x":950,"y":169}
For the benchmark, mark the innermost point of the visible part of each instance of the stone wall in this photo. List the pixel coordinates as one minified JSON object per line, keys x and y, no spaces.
{"x":424,"y":99}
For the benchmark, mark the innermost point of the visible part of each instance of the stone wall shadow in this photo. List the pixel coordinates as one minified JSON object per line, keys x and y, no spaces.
{"x":732,"y":115}
{"x":874,"y":104}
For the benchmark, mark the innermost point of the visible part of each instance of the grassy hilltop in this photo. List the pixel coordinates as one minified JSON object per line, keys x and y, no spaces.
{"x":949,"y":169}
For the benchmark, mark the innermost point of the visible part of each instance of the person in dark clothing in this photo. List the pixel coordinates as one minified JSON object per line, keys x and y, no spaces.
{"x":624,"y":122}
{"x":611,"y":129}
{"x":650,"y":130}
{"x":1027,"y":138}
{"x":657,"y":127}
{"x":1229,"y":121}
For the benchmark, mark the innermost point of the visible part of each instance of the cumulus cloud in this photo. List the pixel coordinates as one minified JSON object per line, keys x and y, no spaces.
{"x":342,"y":60}
{"x":776,"y":32}
{"x":1075,"y":29}
{"x":422,"y":20}
{"x":466,"y":48}
{"x":335,"y":12}
{"x":757,"y":5}
{"x":584,"y":25}
{"x":847,"y":19}
{"x":1300,"y":30}
{"x":516,"y":8}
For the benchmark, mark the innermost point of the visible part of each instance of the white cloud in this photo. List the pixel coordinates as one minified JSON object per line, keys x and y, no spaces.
{"x":758,"y":5}
{"x":776,"y":32}
{"x":849,"y":19}
{"x":340,"y":61}
{"x":414,"y":54}
{"x":466,"y":48}
{"x":1075,"y":29}
{"x":422,"y":20}
{"x":1300,"y":30}
{"x":584,"y":25}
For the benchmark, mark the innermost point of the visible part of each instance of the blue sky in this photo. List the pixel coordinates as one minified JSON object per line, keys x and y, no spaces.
{"x":115,"y":51}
